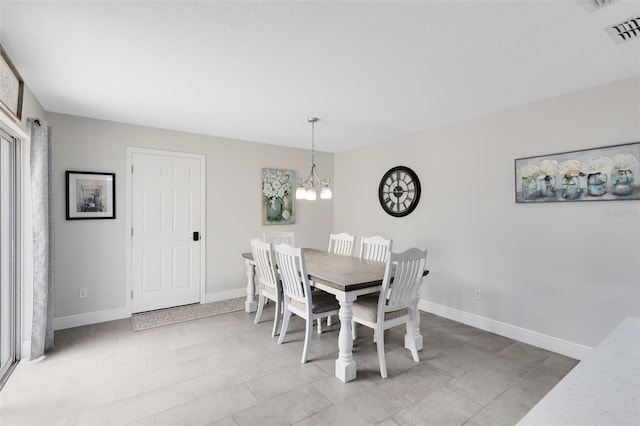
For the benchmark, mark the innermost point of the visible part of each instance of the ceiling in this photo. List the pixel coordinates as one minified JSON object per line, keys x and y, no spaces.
{"x":256,"y":70}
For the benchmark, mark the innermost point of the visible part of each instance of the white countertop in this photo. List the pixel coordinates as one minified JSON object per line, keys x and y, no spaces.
{"x":603,"y":389}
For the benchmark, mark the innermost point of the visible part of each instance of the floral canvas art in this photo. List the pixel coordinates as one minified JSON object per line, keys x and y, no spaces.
{"x":277,"y":197}
{"x":599,"y":174}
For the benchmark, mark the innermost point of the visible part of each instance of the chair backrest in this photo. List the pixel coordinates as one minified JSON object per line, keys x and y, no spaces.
{"x":293,"y":272}
{"x":341,"y":244}
{"x":375,"y":248}
{"x":264,"y":256}
{"x":280,"y":237}
{"x":402,"y":278}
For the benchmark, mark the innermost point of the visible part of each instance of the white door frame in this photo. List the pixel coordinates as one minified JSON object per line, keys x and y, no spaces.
{"x":129,"y":217}
{"x":24,"y":249}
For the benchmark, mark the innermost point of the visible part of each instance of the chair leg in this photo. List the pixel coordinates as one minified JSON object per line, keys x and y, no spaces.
{"x":307,"y":337}
{"x":285,"y":324}
{"x":319,"y":325}
{"x":259,"y":311}
{"x":381,"y":359}
{"x":411,"y":332}
{"x":329,"y":321}
{"x":276,"y":320}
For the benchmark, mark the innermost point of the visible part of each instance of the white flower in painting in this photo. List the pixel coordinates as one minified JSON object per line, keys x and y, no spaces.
{"x":285,"y":214}
{"x":624,"y":161}
{"x":529,"y":171}
{"x":570,"y":168}
{"x":275,"y":185}
{"x":548,"y":167}
{"x":597,"y":165}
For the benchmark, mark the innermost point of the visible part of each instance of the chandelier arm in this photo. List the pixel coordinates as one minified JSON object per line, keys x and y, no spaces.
{"x":309,"y":178}
{"x":318,"y":178}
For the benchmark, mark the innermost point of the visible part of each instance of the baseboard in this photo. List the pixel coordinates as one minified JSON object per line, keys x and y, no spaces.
{"x":563,"y":347}
{"x":90,"y":318}
{"x":225,"y":295}
{"x":26,"y":350}
{"x":115,"y":314}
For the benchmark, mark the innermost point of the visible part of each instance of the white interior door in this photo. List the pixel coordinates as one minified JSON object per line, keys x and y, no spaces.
{"x":166,"y":214}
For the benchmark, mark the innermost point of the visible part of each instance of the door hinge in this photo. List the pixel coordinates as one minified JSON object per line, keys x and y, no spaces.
{"x":131,"y":294}
{"x":132,"y":231}
{"x":132,"y":169}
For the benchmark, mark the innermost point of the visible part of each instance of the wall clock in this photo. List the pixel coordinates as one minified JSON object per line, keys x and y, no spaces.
{"x":399,"y":191}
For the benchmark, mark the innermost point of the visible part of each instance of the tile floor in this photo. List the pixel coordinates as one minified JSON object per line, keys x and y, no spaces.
{"x":224,"y":370}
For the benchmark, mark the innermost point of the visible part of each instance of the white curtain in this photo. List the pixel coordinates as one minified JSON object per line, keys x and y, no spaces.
{"x":42,"y":325}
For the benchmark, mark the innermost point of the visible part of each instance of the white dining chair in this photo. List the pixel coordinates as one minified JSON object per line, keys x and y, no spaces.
{"x":268,"y":280}
{"x":280,"y":237}
{"x":375,"y":248}
{"x":298,"y":297}
{"x":341,"y":243}
{"x":397,"y":302}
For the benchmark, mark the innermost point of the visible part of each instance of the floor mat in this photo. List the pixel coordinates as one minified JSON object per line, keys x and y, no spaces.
{"x":162,"y":317}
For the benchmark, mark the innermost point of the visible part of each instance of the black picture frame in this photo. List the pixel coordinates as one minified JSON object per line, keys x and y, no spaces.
{"x":90,"y":195}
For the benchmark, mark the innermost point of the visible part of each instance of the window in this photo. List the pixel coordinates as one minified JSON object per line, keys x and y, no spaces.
{"x":9,"y":258}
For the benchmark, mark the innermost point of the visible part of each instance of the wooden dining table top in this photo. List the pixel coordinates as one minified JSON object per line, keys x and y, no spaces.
{"x":344,"y":273}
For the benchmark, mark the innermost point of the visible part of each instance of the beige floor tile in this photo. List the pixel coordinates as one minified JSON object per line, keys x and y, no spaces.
{"x":480,"y":385}
{"x":285,"y":409}
{"x":211,"y":408}
{"x":178,"y":356}
{"x":285,"y":380}
{"x":217,"y":380}
{"x":364,"y":408}
{"x":457,"y":361}
{"x":441,"y":408}
{"x":135,"y":408}
{"x":507,"y":409}
{"x":224,"y":370}
{"x":416,"y":383}
{"x":142,"y":383}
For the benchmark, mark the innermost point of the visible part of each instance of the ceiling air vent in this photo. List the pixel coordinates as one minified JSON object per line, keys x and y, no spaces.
{"x":597,"y":4}
{"x":600,"y":3}
{"x":624,"y":31}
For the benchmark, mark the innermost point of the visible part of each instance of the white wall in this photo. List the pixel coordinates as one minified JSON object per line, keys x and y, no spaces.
{"x":91,"y":253}
{"x":570,"y":271}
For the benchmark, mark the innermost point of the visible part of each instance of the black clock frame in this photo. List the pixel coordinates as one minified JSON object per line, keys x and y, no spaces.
{"x":416,"y":198}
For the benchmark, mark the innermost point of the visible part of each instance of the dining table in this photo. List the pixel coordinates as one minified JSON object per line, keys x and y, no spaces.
{"x":347,"y":278}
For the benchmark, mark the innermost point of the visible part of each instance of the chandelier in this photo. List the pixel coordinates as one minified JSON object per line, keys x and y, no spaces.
{"x":307,"y":188}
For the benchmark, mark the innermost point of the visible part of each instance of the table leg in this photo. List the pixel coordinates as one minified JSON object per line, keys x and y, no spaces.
{"x":250,"y":305}
{"x":416,"y":327}
{"x":345,"y":364}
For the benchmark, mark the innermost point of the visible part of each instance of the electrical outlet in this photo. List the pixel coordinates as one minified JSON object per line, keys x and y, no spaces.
{"x":476,"y":294}
{"x":83,"y":293}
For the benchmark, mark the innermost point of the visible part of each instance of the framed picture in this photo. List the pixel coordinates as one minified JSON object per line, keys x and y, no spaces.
{"x":91,"y":195}
{"x":277,"y":197}
{"x":610,"y":173}
{"x":11,"y":88}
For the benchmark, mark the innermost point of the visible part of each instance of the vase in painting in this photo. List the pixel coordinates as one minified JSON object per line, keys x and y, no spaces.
{"x":548,"y":186}
{"x":274,"y":209}
{"x":596,"y":184}
{"x":622,"y":182}
{"x":529,"y":188}
{"x":570,"y":187}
